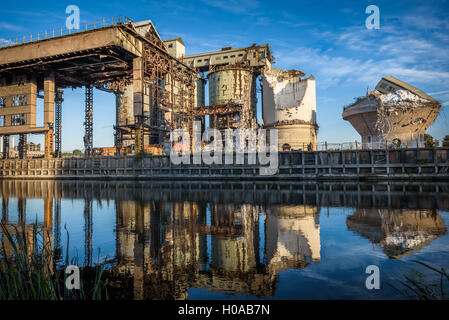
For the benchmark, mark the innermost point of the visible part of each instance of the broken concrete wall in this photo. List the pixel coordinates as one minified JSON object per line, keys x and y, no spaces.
{"x":289,"y":104}
{"x":288,"y":97}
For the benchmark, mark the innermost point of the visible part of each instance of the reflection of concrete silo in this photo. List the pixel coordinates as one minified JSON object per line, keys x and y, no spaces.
{"x":231,"y":255}
{"x":398,"y":232}
{"x":233,"y":85}
{"x":293,"y":237}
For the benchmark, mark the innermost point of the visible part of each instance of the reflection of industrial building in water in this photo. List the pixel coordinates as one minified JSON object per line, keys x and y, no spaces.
{"x":399,"y":232}
{"x":170,"y":240}
{"x":157,"y":87}
{"x":231,"y":248}
{"x":395,"y":113}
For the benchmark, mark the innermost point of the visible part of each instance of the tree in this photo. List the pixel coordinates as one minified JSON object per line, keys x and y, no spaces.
{"x":446,"y":141}
{"x":428,"y":141}
{"x":77,"y":153}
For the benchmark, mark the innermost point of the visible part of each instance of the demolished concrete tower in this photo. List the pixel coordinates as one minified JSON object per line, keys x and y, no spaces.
{"x":289,"y":105}
{"x":395,"y":112}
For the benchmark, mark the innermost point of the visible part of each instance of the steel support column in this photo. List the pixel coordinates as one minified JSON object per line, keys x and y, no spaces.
{"x":22,"y":146}
{"x":58,"y":122}
{"x":138,"y":92}
{"x":48,"y":148}
{"x":88,"y":122}
{"x":139,"y":139}
{"x":118,"y":111}
{"x":5,"y":146}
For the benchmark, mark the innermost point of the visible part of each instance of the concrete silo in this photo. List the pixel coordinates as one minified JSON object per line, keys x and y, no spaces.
{"x":233,"y":85}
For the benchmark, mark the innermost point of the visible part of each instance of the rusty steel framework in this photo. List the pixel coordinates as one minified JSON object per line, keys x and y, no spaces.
{"x":222,"y":116}
{"x":171,"y":89}
{"x":164,"y":90}
{"x":109,"y":67}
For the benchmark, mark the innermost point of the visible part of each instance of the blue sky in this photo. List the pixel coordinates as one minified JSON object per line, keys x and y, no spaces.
{"x":325,"y":38}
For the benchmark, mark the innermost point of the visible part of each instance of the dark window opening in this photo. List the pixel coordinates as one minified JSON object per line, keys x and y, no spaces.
{"x":18,"y":119}
{"x":19,"y":100}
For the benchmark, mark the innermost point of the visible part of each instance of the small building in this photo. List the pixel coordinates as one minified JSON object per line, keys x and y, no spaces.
{"x":175,"y":47}
{"x":33,"y":146}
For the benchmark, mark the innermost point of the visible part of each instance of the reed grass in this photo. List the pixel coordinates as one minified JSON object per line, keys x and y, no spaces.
{"x":415,"y":285}
{"x":29,"y":271}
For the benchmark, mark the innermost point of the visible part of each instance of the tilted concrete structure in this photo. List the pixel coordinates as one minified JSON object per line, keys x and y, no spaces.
{"x":395,"y":110}
{"x":398,"y":232}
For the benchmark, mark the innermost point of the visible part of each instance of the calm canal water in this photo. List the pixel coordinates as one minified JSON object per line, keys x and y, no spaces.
{"x":194,"y":240}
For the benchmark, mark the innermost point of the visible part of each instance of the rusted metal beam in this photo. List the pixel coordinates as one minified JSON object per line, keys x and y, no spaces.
{"x":218,"y":109}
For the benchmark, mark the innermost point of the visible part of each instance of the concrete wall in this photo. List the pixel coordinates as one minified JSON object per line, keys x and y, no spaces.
{"x":298,"y":136}
{"x":408,"y":164}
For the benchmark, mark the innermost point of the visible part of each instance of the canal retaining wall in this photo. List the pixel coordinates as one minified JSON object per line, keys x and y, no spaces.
{"x":401,"y":164}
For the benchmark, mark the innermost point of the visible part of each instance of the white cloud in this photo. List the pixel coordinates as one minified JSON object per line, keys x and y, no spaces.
{"x":362,"y":55}
{"x":9,"y":26}
{"x":333,"y":70}
{"x":234,"y":6}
